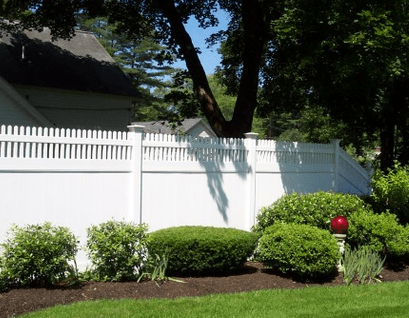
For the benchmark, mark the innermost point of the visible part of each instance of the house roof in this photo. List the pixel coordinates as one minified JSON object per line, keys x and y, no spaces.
{"x":165,"y":127}
{"x":81,"y":63}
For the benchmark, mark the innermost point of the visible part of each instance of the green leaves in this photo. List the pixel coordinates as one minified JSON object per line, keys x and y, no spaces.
{"x":315,"y":209}
{"x":391,"y":191}
{"x":117,"y":250}
{"x":363,"y":263}
{"x":300,"y":249}
{"x":38,"y":255}
{"x":201,"y":249}
{"x":380,"y":232}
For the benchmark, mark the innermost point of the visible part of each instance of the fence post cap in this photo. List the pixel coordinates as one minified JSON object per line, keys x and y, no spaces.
{"x":251,"y":135}
{"x":335,"y":141}
{"x":136,"y":128}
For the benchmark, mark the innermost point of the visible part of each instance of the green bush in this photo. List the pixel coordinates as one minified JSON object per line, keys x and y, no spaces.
{"x":117,"y":250}
{"x":37,"y":255}
{"x":300,"y":249}
{"x":391,"y":192}
{"x":200,"y":249}
{"x":315,"y":209}
{"x":380,"y":232}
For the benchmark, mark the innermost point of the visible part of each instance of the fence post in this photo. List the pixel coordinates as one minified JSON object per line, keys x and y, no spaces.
{"x":135,"y":194}
{"x":335,"y":144}
{"x":251,"y":143}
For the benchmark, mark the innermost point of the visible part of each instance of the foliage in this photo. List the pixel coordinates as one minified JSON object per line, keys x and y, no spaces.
{"x":117,"y":249}
{"x":315,"y":209}
{"x":300,"y":249}
{"x":391,"y":191}
{"x":38,"y":255}
{"x":143,"y":60}
{"x":363,"y":263}
{"x":380,"y":232}
{"x":166,"y":21}
{"x":350,"y":59}
{"x":201,"y":249}
{"x":155,"y":268}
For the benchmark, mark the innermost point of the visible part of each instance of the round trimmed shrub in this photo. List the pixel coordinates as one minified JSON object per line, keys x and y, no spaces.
{"x":299,"y":249}
{"x":316,"y":209}
{"x":37,"y":254}
{"x":201,"y":249}
{"x":382,"y":232}
{"x":117,"y":250}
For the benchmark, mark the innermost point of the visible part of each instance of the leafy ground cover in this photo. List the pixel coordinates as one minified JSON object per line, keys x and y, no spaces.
{"x":252,"y":276}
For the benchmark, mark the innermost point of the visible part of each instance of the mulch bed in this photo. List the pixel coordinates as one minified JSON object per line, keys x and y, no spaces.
{"x":253,"y":276}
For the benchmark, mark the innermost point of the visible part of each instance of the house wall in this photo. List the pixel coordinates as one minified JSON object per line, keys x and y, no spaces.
{"x":75,"y":109}
{"x":79,"y":178}
{"x":13,"y":115}
{"x":201,"y":131}
{"x":14,"y":110}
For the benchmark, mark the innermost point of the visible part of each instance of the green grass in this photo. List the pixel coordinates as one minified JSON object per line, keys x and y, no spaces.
{"x":377,"y":300}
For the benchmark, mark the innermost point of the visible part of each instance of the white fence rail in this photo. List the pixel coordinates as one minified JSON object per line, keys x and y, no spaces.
{"x":77,"y":178}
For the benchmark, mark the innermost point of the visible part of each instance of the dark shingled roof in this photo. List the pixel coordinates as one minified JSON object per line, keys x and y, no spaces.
{"x":82,"y":63}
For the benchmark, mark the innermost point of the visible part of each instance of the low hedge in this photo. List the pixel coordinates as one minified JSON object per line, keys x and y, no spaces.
{"x":201,"y":249}
{"x":299,"y":249}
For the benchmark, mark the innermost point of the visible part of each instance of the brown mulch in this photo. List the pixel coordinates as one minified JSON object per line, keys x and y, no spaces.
{"x":253,"y":276}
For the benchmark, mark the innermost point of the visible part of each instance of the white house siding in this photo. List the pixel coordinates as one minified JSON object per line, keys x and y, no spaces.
{"x":14,"y":110}
{"x":13,"y":116}
{"x":74,"y":109}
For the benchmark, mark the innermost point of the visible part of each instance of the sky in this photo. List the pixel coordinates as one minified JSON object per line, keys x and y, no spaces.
{"x":209,"y":57}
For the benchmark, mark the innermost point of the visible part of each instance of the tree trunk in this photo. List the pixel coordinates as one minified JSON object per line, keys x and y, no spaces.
{"x":246,"y":101}
{"x":255,"y":31}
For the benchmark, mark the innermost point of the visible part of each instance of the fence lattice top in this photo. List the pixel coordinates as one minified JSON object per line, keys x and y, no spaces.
{"x":159,"y":147}
{"x":76,"y":144}
{"x":269,"y":151}
{"x":50,"y":143}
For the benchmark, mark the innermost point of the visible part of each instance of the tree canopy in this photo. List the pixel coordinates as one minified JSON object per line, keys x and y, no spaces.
{"x":347,"y":58}
{"x":144,"y":61}
{"x":166,"y":19}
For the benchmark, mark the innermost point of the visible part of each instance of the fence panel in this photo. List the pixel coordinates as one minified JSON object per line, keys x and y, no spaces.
{"x":188,"y":180}
{"x":286,"y":167}
{"x":77,"y":178}
{"x":71,"y":178}
{"x":352,"y":177}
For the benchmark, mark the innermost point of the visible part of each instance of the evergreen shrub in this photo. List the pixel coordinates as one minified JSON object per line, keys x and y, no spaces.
{"x":117,"y":250}
{"x":315,"y":209}
{"x":299,"y":249}
{"x":201,"y":249}
{"x":38,"y":254}
{"x":381,"y":232}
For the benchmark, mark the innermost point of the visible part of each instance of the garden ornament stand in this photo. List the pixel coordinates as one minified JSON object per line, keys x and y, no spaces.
{"x":339,"y":226}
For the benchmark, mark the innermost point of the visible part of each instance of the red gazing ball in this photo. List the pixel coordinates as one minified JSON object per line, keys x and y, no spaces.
{"x":339,"y":224}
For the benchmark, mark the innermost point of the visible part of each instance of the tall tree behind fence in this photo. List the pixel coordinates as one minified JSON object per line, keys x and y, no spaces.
{"x":77,"y":178}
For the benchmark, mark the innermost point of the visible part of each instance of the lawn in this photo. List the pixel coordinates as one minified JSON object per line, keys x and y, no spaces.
{"x":376,"y":300}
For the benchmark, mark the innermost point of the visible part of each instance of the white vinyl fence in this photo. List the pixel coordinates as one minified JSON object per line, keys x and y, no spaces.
{"x":78,"y":178}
